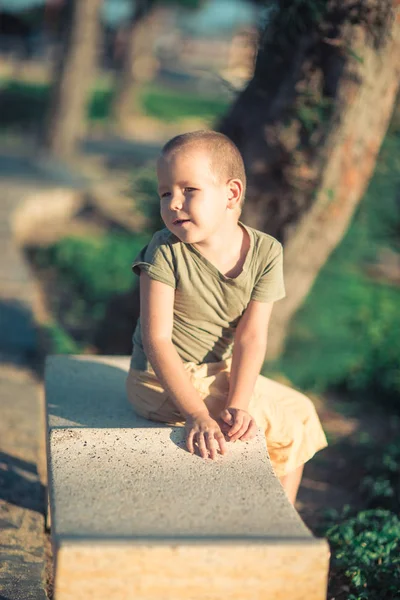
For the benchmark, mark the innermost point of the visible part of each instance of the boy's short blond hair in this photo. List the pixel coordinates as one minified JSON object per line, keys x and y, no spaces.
{"x":226,"y":160}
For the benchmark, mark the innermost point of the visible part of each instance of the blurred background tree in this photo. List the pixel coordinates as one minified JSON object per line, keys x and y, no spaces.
{"x":309,"y":114}
{"x":137,"y":63}
{"x":309,"y":121}
{"x":306,"y":89}
{"x":310,"y":125}
{"x":74,"y":75}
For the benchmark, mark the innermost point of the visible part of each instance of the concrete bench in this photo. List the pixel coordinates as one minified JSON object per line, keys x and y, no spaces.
{"x":135,"y":516}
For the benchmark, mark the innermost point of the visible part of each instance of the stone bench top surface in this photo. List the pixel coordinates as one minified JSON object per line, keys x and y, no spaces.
{"x":113,"y":475}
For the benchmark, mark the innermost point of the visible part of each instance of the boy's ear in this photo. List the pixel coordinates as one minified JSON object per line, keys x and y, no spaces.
{"x":235,"y":191}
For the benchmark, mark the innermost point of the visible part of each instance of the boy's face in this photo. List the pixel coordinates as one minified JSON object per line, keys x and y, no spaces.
{"x":194,"y":204}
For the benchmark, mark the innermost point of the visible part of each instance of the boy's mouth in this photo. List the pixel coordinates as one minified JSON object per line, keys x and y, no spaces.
{"x":180,"y":221}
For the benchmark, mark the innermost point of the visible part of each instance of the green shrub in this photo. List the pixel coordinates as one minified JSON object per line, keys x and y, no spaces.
{"x":100,"y":104}
{"x":366,"y":551}
{"x":365,"y":544}
{"x":58,"y":341}
{"x":380,"y":486}
{"x":95,"y":267}
{"x":89,"y":271}
{"x":22,"y":104}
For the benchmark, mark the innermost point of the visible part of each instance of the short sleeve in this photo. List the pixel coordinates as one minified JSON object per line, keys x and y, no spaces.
{"x":270,"y":285}
{"x":156,"y":260}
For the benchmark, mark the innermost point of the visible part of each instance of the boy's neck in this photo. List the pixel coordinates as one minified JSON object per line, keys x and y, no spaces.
{"x":228,"y":250}
{"x":229,"y":235}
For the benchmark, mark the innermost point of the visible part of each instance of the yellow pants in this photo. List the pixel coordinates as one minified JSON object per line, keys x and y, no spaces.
{"x":292,"y":428}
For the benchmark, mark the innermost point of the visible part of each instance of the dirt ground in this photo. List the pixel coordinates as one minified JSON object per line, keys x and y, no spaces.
{"x":331,"y":478}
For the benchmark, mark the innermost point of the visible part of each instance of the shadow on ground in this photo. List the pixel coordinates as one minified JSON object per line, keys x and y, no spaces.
{"x":121,"y":153}
{"x":20,"y":485}
{"x":18,"y":339}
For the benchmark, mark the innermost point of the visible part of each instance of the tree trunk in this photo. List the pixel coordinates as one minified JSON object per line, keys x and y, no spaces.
{"x":310,"y":125}
{"x":74,"y":73}
{"x":138,"y":63}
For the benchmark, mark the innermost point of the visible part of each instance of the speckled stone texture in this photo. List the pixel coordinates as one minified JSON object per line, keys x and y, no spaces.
{"x":134,"y":515}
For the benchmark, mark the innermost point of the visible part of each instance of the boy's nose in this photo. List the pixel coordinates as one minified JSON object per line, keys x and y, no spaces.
{"x":176,"y":202}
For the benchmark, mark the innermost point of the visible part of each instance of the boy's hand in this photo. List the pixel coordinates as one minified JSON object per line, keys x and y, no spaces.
{"x":203,"y":430}
{"x":241,"y":424}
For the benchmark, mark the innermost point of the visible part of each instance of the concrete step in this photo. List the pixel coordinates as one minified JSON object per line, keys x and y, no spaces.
{"x":134,"y":515}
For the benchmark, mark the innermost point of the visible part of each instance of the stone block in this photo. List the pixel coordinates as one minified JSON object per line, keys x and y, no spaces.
{"x":134,"y":515}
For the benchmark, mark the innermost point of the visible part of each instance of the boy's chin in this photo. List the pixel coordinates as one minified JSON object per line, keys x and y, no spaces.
{"x":189,"y":237}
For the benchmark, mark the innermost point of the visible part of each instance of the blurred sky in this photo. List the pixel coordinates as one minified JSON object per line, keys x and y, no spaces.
{"x":213,"y":16}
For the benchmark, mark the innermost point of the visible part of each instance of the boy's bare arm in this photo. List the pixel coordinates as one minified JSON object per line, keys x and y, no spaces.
{"x":156,"y":315}
{"x":248,"y":355}
{"x":249,"y":350}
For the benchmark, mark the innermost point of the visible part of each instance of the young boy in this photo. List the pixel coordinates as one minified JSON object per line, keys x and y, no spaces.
{"x":207,"y":287}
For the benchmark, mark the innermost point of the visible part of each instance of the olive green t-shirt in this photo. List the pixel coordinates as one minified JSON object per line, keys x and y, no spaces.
{"x":208,"y":305}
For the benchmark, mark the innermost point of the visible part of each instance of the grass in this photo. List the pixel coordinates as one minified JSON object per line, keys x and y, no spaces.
{"x":348,"y":332}
{"x":170,"y":105}
{"x":23,"y":104}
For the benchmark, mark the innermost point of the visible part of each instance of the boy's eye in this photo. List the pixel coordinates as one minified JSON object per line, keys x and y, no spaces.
{"x":165,"y":194}
{"x":190,"y":189}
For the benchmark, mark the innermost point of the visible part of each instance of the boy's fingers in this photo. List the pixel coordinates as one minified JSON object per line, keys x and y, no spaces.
{"x":239,"y":434}
{"x":243,"y":429}
{"x":220,"y":439}
{"x":189,"y":441}
{"x":207,"y":442}
{"x":211,"y":442}
{"x":250,"y":433}
{"x":236,"y":426}
{"x":224,"y":427}
{"x":202,"y":445}
{"x":227,"y":417}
